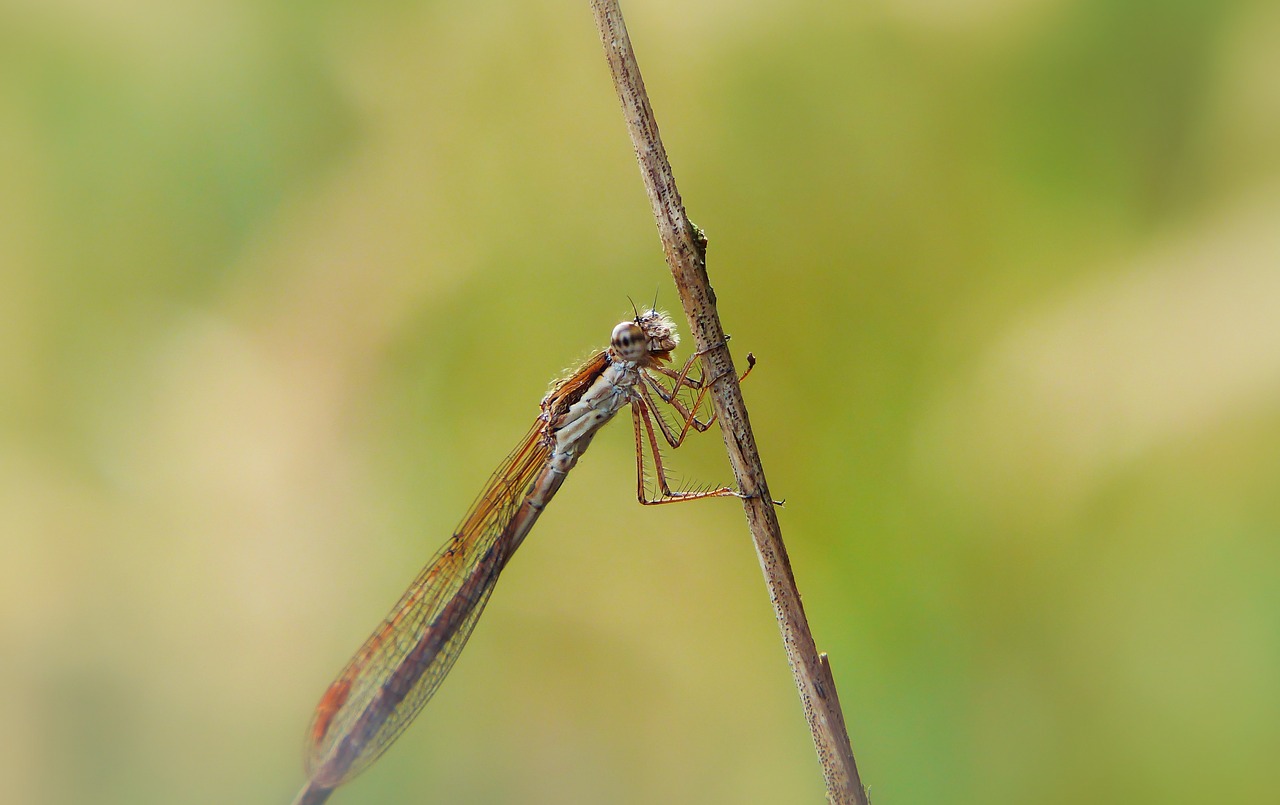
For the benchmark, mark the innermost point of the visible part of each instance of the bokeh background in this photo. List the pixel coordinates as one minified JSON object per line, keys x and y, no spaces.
{"x":280,"y":283}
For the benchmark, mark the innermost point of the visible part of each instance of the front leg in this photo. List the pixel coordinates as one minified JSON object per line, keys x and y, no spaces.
{"x":689,"y":414}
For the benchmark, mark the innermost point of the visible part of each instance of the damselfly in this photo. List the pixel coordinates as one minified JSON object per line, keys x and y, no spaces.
{"x":400,"y":666}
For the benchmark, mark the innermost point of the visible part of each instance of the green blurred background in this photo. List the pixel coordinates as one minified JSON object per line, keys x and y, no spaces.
{"x":280,"y":283}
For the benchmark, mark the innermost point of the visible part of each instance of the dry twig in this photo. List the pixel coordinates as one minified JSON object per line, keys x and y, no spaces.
{"x":685,"y":248}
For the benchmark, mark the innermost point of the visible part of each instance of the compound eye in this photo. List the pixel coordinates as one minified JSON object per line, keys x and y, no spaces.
{"x":628,"y":340}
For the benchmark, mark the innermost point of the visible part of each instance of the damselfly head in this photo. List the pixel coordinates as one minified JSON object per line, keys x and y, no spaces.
{"x":629,"y":342}
{"x":651,"y":336}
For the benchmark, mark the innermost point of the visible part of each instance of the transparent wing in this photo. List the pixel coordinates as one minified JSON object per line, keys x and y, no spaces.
{"x":402,"y":663}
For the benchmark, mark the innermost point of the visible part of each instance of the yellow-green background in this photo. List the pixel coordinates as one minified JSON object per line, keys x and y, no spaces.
{"x":280,"y":283}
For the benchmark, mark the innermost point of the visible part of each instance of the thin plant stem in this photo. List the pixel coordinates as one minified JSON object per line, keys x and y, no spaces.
{"x":685,"y":248}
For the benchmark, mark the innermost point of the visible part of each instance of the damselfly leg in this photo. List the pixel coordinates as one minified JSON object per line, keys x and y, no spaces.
{"x":644,"y":411}
{"x":671,"y":398}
